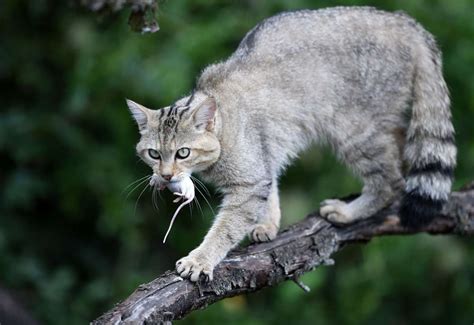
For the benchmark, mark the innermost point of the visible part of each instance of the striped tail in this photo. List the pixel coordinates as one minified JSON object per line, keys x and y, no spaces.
{"x":430,"y":149}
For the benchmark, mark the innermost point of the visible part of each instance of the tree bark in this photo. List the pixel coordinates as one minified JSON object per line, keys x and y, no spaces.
{"x":299,"y":249}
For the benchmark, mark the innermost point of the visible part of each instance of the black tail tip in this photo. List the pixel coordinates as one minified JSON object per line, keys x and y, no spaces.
{"x":417,"y":210}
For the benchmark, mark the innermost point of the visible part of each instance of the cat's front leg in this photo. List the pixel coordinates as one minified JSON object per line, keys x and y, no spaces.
{"x":242,"y":207}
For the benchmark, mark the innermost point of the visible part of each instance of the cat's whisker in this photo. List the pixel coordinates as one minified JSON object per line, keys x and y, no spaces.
{"x":134,"y":189}
{"x":138,"y":199}
{"x":198,"y":204}
{"x":200,"y":183}
{"x":134,"y":183}
{"x":205,"y":199}
{"x":190,"y":207}
{"x":154,"y":198}
{"x":137,"y":186}
{"x":195,"y":183}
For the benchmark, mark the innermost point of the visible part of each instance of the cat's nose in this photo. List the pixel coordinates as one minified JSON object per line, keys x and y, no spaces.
{"x":167,"y":177}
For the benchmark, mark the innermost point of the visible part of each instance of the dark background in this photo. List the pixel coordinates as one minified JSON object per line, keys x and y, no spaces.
{"x":72,"y":243}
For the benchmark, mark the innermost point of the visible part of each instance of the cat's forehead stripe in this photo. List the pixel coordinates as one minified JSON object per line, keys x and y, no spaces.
{"x":170,"y":117}
{"x":172,"y":110}
{"x":170,"y":123}
{"x":191,"y":98}
{"x":184,"y":110}
{"x":162,"y":111}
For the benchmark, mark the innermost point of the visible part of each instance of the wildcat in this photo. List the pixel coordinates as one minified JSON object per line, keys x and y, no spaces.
{"x":366,"y":82}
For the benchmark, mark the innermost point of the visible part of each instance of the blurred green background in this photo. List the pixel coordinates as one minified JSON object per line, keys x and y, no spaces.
{"x":72,"y":243}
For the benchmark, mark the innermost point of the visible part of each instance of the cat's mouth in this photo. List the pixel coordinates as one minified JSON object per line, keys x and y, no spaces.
{"x":161,"y":183}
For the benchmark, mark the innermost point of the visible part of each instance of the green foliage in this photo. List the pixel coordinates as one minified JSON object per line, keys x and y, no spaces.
{"x":72,"y":243}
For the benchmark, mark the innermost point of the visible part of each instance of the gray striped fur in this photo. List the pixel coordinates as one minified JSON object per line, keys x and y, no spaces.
{"x":345,"y":77}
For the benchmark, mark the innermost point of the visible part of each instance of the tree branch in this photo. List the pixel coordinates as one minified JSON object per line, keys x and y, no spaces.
{"x":296,"y":250}
{"x":142,"y":18}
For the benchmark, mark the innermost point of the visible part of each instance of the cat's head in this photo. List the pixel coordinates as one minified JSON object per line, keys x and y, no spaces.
{"x":177,"y":140}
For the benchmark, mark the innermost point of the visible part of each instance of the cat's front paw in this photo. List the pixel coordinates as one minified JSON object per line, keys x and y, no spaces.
{"x":193,"y":265}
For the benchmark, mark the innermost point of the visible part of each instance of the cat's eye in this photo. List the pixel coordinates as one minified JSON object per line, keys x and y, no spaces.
{"x":154,"y":154}
{"x":183,"y":153}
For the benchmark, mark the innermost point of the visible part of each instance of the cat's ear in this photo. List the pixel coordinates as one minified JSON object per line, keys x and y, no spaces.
{"x":140,"y":113}
{"x":204,"y":115}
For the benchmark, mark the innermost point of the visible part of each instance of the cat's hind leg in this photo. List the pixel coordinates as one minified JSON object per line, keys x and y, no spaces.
{"x":268,"y":225}
{"x":379,"y":165}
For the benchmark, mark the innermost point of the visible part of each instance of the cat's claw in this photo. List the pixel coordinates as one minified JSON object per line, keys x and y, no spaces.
{"x":193,"y":266}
